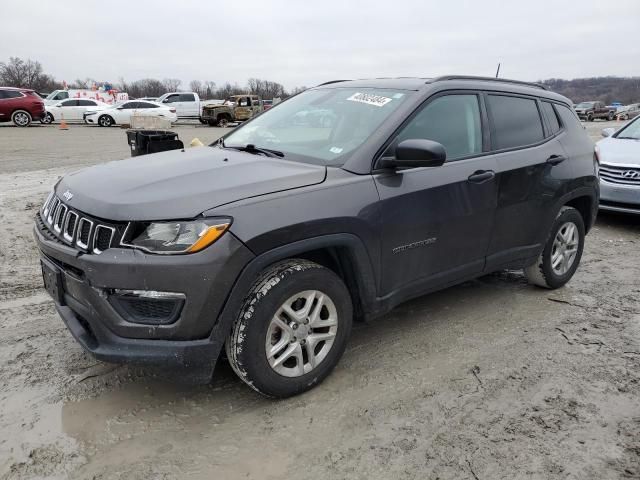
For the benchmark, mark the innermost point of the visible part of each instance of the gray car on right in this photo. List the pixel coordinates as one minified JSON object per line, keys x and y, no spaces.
{"x":619,"y":159}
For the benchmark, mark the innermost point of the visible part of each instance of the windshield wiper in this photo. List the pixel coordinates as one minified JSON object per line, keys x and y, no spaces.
{"x":251,"y":148}
{"x":628,"y":138}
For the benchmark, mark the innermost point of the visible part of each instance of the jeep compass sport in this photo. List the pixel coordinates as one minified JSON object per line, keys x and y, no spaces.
{"x":339,"y":203}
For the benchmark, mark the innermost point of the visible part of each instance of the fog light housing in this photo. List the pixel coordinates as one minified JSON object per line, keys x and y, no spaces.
{"x":147,"y":307}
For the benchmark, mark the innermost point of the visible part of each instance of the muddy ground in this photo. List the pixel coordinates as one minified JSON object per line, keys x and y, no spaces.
{"x":492,"y":379}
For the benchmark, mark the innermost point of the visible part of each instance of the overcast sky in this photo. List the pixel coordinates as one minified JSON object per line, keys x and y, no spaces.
{"x":307,"y":42}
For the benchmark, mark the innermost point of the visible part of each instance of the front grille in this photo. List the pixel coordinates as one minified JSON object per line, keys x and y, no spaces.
{"x":620,"y":175}
{"x":75,"y":229}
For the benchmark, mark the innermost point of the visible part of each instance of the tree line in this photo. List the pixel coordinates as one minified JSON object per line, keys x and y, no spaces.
{"x":28,"y":73}
{"x":17,"y":72}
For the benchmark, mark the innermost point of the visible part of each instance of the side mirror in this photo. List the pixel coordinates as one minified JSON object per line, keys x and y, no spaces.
{"x":607,"y":132}
{"x":120,"y":108}
{"x":413,"y":153}
{"x":58,"y":104}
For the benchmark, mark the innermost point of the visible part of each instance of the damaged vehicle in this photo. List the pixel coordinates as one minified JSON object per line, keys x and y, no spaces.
{"x":236,"y":108}
{"x":270,"y":242}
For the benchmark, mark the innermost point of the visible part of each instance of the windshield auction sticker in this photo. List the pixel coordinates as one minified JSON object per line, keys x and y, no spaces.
{"x":369,"y":99}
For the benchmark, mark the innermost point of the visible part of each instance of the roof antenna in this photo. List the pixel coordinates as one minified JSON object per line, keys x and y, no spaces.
{"x":498,"y":70}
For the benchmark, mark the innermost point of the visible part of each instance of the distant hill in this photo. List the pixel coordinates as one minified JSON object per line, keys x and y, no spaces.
{"x":608,"y":89}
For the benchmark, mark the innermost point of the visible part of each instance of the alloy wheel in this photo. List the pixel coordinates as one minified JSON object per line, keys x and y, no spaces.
{"x":565,"y":248}
{"x":21,"y":119}
{"x":301,"y":333}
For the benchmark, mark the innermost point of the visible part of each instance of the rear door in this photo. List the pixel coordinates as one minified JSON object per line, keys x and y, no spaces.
{"x":531,"y":174}
{"x":68,"y":111}
{"x":437,"y":221}
{"x":188,"y":105}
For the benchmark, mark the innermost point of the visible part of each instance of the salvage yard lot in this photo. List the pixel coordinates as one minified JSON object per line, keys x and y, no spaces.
{"x":487,"y":380}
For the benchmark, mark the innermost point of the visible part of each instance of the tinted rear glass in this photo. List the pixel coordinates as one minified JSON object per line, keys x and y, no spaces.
{"x":552,"y":117}
{"x":516,"y":121}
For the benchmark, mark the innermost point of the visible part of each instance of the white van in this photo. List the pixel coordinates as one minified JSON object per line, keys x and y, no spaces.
{"x":104,"y":97}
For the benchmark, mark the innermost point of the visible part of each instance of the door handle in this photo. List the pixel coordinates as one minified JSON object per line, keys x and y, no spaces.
{"x":556,"y":159}
{"x":481,"y":176}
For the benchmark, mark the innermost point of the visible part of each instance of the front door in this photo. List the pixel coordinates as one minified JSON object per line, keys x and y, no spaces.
{"x":436,"y":222}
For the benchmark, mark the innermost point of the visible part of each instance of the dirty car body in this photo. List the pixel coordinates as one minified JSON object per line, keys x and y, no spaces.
{"x":320,"y":191}
{"x":236,"y":108}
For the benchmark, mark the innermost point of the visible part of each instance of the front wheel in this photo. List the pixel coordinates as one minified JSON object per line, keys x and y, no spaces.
{"x":223,"y":122}
{"x":589,"y":118}
{"x":562,"y":253}
{"x":610,"y":117}
{"x":292,"y":328}
{"x":47,"y":119}
{"x":105,"y":121}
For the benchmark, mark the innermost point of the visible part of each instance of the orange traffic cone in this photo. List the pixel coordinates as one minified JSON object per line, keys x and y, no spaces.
{"x":63,"y":124}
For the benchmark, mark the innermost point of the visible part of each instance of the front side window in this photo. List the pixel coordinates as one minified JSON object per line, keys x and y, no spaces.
{"x":321,"y":126}
{"x":451,"y":120}
{"x":516,"y":121}
{"x":172,"y":99}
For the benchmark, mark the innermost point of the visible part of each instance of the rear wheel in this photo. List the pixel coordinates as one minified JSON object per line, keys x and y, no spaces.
{"x":589,"y":118}
{"x":292,"y":328}
{"x":105,"y":121}
{"x":21,"y":118}
{"x":212,"y":123}
{"x":611,"y":116}
{"x":562,"y":253}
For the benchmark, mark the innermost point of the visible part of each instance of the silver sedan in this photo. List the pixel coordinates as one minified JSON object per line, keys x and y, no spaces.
{"x":619,"y":158}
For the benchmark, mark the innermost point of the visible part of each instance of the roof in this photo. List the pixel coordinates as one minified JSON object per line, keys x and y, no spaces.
{"x":457,"y":81}
{"x":18,"y":89}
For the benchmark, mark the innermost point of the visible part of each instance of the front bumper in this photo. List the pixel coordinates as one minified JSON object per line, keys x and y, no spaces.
{"x":88,"y":280}
{"x":619,"y":198}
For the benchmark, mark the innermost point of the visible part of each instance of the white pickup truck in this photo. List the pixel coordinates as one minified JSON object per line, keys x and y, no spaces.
{"x":187,"y":104}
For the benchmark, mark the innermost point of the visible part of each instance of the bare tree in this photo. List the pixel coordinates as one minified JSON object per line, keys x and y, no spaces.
{"x":196,"y":86}
{"x":265,"y":88}
{"x":171,"y":84}
{"x":27,"y":74}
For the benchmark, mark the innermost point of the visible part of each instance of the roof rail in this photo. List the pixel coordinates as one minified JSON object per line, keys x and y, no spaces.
{"x":486,"y":79}
{"x":332,"y":81}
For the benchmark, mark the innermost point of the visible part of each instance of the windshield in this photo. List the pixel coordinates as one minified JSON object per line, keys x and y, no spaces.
{"x":631,"y":131}
{"x":320,"y":126}
{"x":585,"y":105}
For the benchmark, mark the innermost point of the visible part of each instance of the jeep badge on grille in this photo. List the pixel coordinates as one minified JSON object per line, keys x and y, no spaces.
{"x":67,"y":195}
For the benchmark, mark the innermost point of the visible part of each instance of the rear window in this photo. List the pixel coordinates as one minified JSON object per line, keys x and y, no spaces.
{"x":552,"y":118}
{"x":516,"y":121}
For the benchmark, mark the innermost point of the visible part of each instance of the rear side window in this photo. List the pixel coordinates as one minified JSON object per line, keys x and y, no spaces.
{"x":569,"y":118}
{"x":10,"y":94}
{"x":552,"y":118}
{"x":516,"y":121}
{"x":453,"y":121}
{"x":187,"y":97}
{"x":70,"y":103}
{"x":86,"y":103}
{"x":146,"y":105}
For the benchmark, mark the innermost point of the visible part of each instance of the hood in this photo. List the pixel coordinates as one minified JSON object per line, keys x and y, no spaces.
{"x":181,"y":183}
{"x":622,"y":151}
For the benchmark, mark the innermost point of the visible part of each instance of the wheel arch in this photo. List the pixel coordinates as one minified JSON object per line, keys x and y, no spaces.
{"x":343,"y":253}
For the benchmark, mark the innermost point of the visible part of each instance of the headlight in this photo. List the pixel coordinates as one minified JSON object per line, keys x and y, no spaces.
{"x":175,"y":237}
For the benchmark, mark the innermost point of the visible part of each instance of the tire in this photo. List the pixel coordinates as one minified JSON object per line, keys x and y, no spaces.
{"x":202,"y":121}
{"x":589,"y":118}
{"x":105,"y":121}
{"x":21,"y":118}
{"x":47,"y":119}
{"x":262,"y":324}
{"x":212,"y":123}
{"x":223,"y":121}
{"x":568,"y":227}
{"x":610,"y":117}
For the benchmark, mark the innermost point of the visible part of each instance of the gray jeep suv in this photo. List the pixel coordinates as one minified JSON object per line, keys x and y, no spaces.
{"x":339,"y":203}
